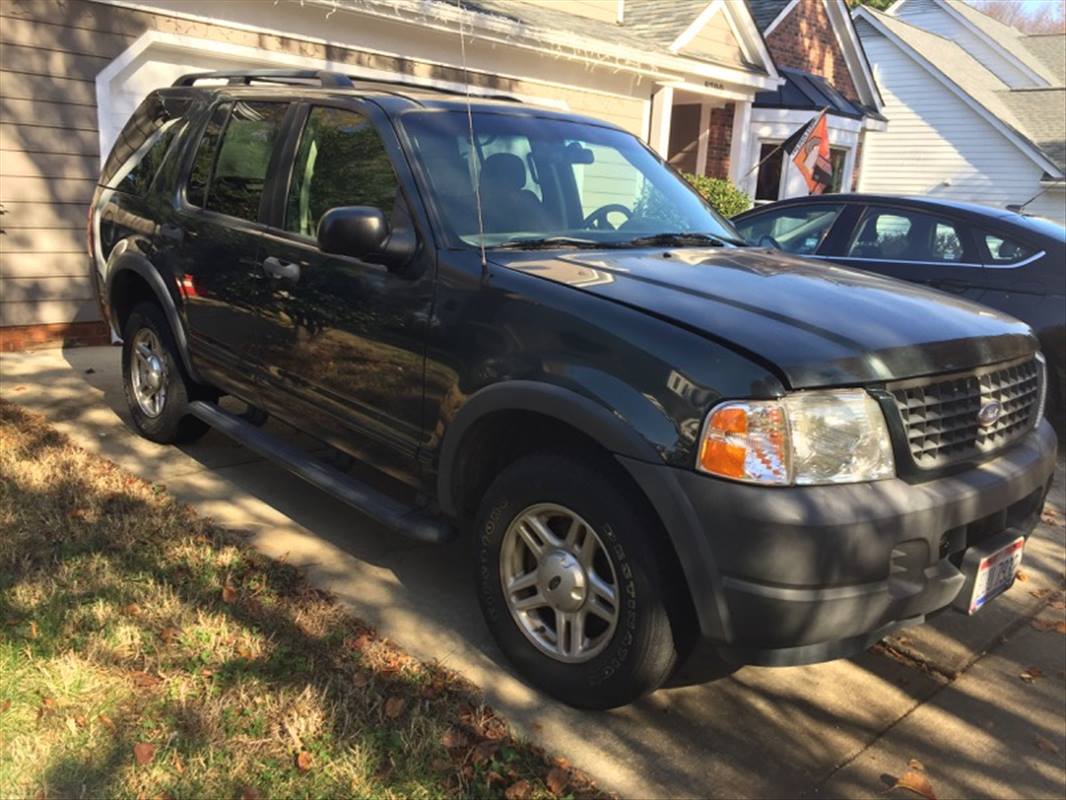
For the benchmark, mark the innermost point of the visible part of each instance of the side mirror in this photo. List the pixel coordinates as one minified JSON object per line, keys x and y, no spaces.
{"x":362,"y":232}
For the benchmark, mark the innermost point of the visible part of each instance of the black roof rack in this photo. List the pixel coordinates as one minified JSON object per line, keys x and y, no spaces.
{"x":325,"y":78}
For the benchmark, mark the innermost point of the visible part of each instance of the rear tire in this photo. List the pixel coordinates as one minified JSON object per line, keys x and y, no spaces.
{"x":595,"y":663}
{"x":154,"y":379}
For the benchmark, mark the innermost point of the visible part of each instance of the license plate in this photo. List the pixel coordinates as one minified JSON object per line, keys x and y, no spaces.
{"x":995,"y":573}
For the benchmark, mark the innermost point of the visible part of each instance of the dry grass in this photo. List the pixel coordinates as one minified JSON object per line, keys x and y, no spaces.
{"x":145,"y":652}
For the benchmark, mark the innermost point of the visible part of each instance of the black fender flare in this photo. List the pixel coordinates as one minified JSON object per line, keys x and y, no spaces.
{"x":632,"y":451}
{"x":126,"y":260}
{"x":565,"y":405}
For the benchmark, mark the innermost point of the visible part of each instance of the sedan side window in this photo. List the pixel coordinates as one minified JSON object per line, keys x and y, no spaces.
{"x":1004,"y":252}
{"x":795,"y":229}
{"x":899,"y":235}
{"x":341,"y":161}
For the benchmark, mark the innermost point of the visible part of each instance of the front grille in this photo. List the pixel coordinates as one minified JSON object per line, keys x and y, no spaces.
{"x":940,"y":414}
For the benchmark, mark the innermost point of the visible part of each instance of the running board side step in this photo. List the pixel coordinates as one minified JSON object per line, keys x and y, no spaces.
{"x":381,"y":508}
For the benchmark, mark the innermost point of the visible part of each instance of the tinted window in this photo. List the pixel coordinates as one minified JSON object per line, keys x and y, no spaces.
{"x":795,"y":229}
{"x":341,"y":162}
{"x":196,"y":188}
{"x":149,"y":159}
{"x":900,"y":235}
{"x":1005,"y":251}
{"x":137,"y":143}
{"x":240,"y":172}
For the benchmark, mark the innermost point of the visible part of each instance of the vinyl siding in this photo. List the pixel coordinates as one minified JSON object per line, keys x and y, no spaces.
{"x":929,"y":16}
{"x":935,"y":143}
{"x":50,"y":55}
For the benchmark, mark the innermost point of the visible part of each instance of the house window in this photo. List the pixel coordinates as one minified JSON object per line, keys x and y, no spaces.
{"x":768,"y":183}
{"x":838,"y":157}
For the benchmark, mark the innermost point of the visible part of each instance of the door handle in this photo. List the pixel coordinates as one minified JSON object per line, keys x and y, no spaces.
{"x":284,"y":270}
{"x":172,"y":232}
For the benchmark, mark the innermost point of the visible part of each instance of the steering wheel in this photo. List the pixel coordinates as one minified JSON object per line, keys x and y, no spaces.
{"x":769,"y":241}
{"x":597,"y":220}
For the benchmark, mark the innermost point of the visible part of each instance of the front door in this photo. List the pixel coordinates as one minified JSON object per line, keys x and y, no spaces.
{"x":915,"y":246}
{"x":219,"y":222}
{"x":343,"y":339}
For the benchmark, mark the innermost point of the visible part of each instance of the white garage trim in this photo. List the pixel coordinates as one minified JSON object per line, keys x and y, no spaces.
{"x":109,"y":105}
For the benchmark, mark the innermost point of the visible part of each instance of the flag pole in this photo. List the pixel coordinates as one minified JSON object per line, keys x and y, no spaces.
{"x":773,"y":152}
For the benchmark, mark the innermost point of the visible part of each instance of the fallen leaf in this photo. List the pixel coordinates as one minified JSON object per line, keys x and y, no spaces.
{"x":132,"y":610}
{"x":453,"y":739}
{"x":914,"y":781}
{"x":33,"y":630}
{"x":557,"y":780}
{"x":1039,"y":594}
{"x":168,"y":635}
{"x":440,"y":764}
{"x":207,"y":673}
{"x":394,"y":707}
{"x":143,"y":680}
{"x":484,"y":752}
{"x":1042,"y":624}
{"x":80,"y":720}
{"x":1046,"y":745}
{"x":1058,"y":605}
{"x":521,"y":790}
{"x":304,"y":761}
{"x":1021,"y":576}
{"x":493,"y":778}
{"x":48,"y":702}
{"x":143,"y":752}
{"x":4,"y":706}
{"x":562,"y":762}
{"x":248,"y":793}
{"x":1061,"y":627}
{"x":106,"y":721}
{"x":164,"y":796}
{"x":360,"y":680}
{"x":1031,"y":674}
{"x":229,"y":594}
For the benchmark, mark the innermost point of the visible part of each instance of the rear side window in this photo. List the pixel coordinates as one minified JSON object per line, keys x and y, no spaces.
{"x":906,"y":236}
{"x":144,"y":142}
{"x":1005,"y":252}
{"x":238,"y":170}
{"x":794,"y":229}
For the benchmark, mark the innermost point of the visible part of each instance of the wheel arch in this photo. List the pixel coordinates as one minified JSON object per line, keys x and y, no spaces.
{"x":132,"y":278}
{"x":637,"y":460}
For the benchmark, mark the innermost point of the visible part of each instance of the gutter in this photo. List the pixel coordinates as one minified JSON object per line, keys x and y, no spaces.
{"x":448,"y":19}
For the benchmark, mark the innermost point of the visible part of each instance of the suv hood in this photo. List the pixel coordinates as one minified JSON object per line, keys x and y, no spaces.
{"x":819,"y":324}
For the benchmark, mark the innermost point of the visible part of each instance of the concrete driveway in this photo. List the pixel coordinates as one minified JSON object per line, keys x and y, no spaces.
{"x":947,"y":694}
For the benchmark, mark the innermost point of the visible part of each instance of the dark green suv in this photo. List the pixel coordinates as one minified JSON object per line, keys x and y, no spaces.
{"x":655,"y":434}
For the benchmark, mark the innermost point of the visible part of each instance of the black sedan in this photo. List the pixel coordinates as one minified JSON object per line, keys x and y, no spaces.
{"x":1003,"y":259}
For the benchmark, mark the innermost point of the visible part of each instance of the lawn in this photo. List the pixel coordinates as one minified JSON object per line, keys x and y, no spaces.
{"x":147,"y":652}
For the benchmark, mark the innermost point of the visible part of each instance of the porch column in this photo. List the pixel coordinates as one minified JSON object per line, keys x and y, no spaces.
{"x":740,"y":151}
{"x":662,"y":106}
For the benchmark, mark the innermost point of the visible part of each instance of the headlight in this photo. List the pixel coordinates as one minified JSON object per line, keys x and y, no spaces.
{"x":803,"y":438}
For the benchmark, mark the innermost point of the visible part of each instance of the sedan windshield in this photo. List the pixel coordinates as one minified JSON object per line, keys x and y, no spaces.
{"x":545,"y":182}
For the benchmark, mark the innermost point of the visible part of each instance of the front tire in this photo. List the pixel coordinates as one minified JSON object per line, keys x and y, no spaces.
{"x":156,"y":386}
{"x":571,"y":581}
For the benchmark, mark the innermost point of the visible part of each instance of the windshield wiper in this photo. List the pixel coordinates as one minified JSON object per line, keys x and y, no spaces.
{"x":550,"y":242}
{"x":681,"y":240}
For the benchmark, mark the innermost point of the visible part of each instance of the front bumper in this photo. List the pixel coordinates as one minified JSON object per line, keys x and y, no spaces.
{"x":805,"y":574}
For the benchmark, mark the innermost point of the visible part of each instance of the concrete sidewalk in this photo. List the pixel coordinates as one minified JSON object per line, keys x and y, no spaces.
{"x":947,"y":694}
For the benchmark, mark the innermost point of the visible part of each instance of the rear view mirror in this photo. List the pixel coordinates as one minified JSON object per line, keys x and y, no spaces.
{"x":363,"y":232}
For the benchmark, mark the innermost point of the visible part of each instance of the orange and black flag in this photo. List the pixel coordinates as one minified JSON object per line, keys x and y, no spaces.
{"x":809,"y":150}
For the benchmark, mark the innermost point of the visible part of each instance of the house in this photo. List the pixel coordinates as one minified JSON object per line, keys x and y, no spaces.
{"x":74,"y":70}
{"x":818,"y":53}
{"x":978,"y":108}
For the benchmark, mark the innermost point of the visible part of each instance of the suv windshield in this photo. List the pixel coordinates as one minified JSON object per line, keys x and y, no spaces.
{"x":554,"y":182}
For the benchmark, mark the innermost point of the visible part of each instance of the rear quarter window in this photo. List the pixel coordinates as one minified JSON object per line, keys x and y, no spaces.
{"x":144,"y":142}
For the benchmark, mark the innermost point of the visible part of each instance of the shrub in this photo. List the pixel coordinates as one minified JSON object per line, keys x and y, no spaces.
{"x":726,"y":198}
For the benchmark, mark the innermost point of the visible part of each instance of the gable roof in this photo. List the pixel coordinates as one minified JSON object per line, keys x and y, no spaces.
{"x":764,"y":12}
{"x":1008,"y":40}
{"x":662,"y":21}
{"x":1016,"y":111}
{"x":1050,"y":50}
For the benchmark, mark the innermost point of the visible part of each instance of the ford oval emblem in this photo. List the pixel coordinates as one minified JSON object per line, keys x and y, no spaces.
{"x":989,"y":413}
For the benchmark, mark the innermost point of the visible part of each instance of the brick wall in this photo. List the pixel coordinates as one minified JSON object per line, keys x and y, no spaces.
{"x":805,"y":40}
{"x":719,"y":141}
